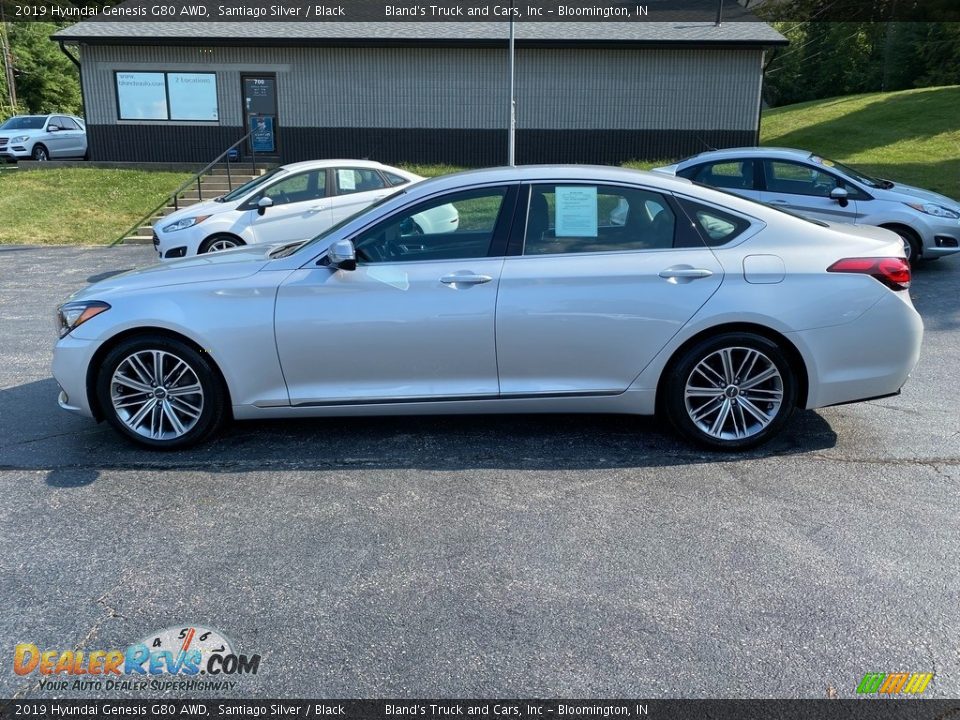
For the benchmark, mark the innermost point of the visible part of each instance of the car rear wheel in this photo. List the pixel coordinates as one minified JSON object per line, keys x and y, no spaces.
{"x":731,"y":392}
{"x":160,"y":392}
{"x":215,"y":243}
{"x":40,"y":153}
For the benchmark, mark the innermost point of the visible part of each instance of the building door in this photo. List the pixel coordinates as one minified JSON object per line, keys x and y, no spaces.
{"x":260,"y":111}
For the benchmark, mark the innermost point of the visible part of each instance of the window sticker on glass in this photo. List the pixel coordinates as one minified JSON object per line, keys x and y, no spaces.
{"x":576,"y":211}
{"x":347,"y":179}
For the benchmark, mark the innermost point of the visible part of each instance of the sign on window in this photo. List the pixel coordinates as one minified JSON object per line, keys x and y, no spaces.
{"x":576,"y":211}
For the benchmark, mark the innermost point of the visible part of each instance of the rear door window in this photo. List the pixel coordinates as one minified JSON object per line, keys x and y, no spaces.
{"x":727,"y":174}
{"x":575,"y":218}
{"x":354,"y":180}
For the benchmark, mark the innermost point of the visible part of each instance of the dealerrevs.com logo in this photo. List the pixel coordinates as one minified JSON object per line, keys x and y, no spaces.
{"x":182,"y":658}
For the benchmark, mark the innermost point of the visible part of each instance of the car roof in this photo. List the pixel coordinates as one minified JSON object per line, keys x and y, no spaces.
{"x":749,"y":152}
{"x":549,"y":173}
{"x":342,"y":162}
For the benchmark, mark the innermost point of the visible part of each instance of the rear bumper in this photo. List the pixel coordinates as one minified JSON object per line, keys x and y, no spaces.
{"x":869,"y":358}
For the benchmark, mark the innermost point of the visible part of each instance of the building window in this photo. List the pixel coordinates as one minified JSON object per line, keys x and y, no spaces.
{"x":167,"y":96}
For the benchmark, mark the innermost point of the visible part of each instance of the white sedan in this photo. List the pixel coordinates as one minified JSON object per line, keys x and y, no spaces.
{"x":718,"y":312}
{"x":292,"y":202}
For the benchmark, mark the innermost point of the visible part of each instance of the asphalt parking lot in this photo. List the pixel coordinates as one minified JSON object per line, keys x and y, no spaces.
{"x":535,"y":556}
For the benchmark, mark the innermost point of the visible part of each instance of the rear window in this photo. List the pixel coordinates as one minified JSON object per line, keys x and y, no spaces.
{"x":715,"y":227}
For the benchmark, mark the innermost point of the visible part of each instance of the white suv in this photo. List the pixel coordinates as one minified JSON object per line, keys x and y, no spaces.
{"x":43,"y":137}
{"x":292,"y":202}
{"x":928,"y":223}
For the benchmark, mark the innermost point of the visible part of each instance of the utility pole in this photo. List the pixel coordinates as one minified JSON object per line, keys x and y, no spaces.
{"x":512,"y":121}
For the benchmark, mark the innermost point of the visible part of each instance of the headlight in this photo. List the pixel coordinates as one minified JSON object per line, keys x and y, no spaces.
{"x":185,"y":223}
{"x":935,"y":210}
{"x":73,"y":314}
{"x":20,"y":138}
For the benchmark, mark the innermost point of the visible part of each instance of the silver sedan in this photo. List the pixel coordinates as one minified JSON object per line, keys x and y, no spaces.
{"x":562,"y":289}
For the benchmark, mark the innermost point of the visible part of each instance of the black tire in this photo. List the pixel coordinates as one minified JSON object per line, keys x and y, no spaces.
{"x":40,"y":153}
{"x":910,"y":240}
{"x":213,"y":405}
{"x":694,"y":366}
{"x":222,"y":238}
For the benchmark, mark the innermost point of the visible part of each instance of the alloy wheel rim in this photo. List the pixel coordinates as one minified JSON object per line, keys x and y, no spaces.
{"x":221,"y":245}
{"x":907,"y":247}
{"x":734,"y":393}
{"x":156,"y":394}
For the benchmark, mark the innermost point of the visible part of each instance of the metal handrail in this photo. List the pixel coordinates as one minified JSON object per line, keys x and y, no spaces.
{"x":175,"y":195}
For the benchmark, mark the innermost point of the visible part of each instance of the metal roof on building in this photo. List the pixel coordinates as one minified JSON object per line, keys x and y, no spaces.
{"x":528,"y":34}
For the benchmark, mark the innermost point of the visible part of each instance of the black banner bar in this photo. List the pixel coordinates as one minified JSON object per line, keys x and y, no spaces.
{"x":860,"y":709}
{"x":631,"y":11}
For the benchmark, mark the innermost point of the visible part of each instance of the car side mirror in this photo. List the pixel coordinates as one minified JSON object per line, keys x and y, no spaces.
{"x":840,"y":195}
{"x":342,"y":256}
{"x":53,"y":128}
{"x":262,"y":205}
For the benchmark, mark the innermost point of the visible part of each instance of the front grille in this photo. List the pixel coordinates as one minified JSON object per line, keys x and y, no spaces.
{"x":3,"y":141}
{"x":156,"y":242}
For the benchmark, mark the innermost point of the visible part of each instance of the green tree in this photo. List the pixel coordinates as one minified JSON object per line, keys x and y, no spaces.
{"x":47,"y":81}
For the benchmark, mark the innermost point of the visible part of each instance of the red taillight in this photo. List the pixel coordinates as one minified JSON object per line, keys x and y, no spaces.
{"x":894,"y":272}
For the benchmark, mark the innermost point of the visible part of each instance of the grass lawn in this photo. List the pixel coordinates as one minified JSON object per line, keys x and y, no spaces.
{"x":912,"y":136}
{"x":77,"y":206}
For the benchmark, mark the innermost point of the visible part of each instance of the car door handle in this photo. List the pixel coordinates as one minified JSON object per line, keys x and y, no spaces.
{"x":688,"y":273}
{"x":465,"y":279}
{"x":779,"y":202}
{"x":317,"y":208}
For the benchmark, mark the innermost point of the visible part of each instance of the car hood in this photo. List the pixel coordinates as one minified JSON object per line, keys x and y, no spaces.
{"x":908,"y":193}
{"x":210,"y":267}
{"x":19,"y":133}
{"x":207,"y":207}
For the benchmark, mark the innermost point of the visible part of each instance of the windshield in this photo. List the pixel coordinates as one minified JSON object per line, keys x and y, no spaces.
{"x":25,"y":122}
{"x":350,"y":218}
{"x":241,"y":191}
{"x":867,"y":180}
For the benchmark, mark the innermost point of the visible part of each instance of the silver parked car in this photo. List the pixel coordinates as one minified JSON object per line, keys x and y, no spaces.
{"x":927,"y":223}
{"x":548,"y":296}
{"x":43,"y":137}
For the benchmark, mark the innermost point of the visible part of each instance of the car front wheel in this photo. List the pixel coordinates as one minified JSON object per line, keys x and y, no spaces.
{"x":731,"y":392}
{"x":40,"y":153}
{"x":160,"y":392}
{"x":216,"y":243}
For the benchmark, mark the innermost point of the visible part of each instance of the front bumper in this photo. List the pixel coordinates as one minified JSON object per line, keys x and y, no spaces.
{"x":941,"y":237}
{"x":71,"y":358}
{"x":178,"y":244}
{"x":14,"y":152}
